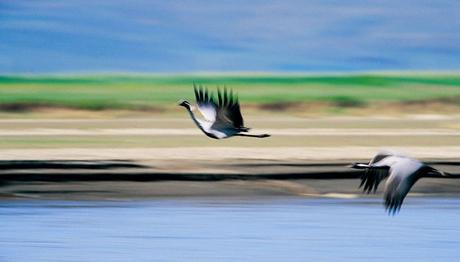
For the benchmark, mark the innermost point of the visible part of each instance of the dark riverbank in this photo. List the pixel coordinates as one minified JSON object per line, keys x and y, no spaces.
{"x":78,"y":179}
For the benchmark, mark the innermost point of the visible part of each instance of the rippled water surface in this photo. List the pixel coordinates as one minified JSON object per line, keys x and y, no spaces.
{"x":294,"y":229}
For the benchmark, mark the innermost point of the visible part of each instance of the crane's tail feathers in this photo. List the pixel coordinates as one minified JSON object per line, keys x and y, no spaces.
{"x":437,"y":173}
{"x":244,"y":129}
{"x":449,"y":175}
{"x":258,"y":136}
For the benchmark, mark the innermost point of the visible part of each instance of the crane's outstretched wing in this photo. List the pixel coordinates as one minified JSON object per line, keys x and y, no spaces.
{"x":206,"y":104}
{"x":228,"y":111}
{"x":374,"y":175}
{"x":395,"y":192}
{"x":403,"y":176}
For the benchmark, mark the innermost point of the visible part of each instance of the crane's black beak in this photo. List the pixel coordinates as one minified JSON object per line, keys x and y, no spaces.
{"x":184,"y":104}
{"x":358,"y":166}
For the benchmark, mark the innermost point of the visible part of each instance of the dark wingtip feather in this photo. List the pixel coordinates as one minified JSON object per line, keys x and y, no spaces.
{"x":225,"y":97}
{"x":374,"y":187}
{"x":196,"y":91}
{"x":231,"y":97}
{"x":202,"y":94}
{"x":206,"y":95}
{"x":392,"y":206}
{"x":219,"y":96}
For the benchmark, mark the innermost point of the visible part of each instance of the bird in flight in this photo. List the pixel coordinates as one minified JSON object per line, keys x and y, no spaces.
{"x":401,"y":173}
{"x":222,"y":116}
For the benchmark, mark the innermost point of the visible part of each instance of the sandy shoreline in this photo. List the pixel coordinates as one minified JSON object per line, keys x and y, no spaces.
{"x":168,"y":157}
{"x":222,"y":153}
{"x":196,"y":132}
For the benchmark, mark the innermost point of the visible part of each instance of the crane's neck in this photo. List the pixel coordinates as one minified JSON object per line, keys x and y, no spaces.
{"x":197,"y":121}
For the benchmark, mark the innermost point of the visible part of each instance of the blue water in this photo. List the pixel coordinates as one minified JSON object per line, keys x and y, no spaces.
{"x":293,"y":229}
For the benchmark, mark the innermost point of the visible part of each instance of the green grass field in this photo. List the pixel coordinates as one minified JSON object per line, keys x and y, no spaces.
{"x":139,"y":92}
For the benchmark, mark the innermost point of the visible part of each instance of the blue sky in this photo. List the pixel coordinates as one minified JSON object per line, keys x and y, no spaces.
{"x":42,"y":36}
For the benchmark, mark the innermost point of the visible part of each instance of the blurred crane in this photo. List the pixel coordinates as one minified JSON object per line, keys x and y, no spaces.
{"x":222,"y":117}
{"x":401,"y":172}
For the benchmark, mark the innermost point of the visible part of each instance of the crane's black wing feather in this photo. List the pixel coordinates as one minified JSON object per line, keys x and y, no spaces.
{"x":224,"y":111}
{"x":375,"y":174}
{"x":228,"y":109}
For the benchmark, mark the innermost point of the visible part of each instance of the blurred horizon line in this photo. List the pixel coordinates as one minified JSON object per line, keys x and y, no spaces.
{"x":236,"y":73}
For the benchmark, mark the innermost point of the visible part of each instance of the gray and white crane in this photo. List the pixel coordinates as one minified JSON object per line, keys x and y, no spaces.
{"x":401,"y":172}
{"x":222,"y":116}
